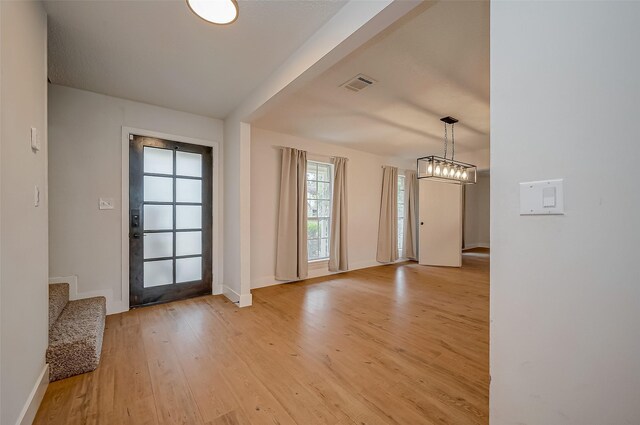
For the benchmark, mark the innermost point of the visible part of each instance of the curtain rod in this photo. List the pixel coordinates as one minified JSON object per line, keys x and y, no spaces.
{"x":309,"y":153}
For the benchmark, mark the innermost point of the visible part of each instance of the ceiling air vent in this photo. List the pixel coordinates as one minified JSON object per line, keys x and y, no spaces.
{"x":358,"y":83}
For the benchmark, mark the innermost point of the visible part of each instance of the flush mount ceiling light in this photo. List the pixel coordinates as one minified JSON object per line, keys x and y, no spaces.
{"x":447,"y":169}
{"x":220,"y":12}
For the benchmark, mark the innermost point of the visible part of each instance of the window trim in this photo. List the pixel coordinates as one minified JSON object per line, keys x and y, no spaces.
{"x":320,"y":260}
{"x":404,"y":216}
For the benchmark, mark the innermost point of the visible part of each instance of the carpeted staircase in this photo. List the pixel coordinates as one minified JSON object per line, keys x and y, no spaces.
{"x":75,"y":333}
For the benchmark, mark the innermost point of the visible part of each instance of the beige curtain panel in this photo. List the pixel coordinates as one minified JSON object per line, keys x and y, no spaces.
{"x":410,"y":247}
{"x":291,"y":247}
{"x":388,"y":224}
{"x":338,"y":259}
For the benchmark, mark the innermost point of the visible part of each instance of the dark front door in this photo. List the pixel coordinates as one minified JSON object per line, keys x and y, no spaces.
{"x":170,"y":187}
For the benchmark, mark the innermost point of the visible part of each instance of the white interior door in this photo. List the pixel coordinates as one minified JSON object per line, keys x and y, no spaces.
{"x":440,"y":213}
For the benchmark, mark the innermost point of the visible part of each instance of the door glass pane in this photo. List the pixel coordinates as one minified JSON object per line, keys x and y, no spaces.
{"x":158,"y":217}
{"x":188,"y":217}
{"x":188,"y":190}
{"x":158,"y":189}
{"x":188,"y":243}
{"x":188,"y":269}
{"x":188,"y":164}
{"x":159,"y":161}
{"x":158,"y":273}
{"x":158,"y":245}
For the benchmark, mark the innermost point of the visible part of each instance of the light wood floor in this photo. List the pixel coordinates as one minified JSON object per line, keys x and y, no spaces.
{"x":400,"y":344}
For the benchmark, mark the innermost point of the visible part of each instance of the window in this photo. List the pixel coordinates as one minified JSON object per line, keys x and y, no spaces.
{"x":319,"y":179}
{"x":400,"y":215}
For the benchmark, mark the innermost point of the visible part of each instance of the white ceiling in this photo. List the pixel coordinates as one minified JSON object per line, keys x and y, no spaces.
{"x":431,"y":64}
{"x":158,"y":52}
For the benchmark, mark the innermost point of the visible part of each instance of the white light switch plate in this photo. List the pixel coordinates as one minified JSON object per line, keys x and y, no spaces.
{"x":35,"y":143}
{"x":106,"y":204}
{"x":542,"y":197}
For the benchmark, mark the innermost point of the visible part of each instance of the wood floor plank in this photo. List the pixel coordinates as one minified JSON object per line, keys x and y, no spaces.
{"x":397,"y":344}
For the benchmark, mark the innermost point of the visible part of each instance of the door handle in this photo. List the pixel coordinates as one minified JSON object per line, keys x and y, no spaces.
{"x":136,"y":235}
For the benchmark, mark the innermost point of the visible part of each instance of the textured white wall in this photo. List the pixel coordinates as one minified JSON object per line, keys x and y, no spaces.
{"x":565,"y":290}
{"x":364,"y":177}
{"x":23,"y":227}
{"x":85,"y":133}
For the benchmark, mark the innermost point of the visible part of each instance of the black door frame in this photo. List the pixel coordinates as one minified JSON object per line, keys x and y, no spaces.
{"x":138,"y":295}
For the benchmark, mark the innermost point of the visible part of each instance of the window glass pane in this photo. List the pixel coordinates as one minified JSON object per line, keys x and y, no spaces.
{"x":324,"y":190}
{"x":158,"y":273}
{"x":401,"y":183}
{"x":312,"y":190}
{"x":188,"y":243}
{"x":324,"y":248}
{"x":158,"y":217}
{"x":312,"y":208}
{"x":324,"y":228}
{"x":312,"y":171}
{"x":324,"y":208}
{"x":158,"y":189}
{"x":312,"y":229}
{"x":159,"y":161}
{"x":188,"y":217}
{"x":188,"y":164}
{"x":324,"y":173}
{"x":400,"y":210}
{"x":313,"y":248}
{"x":188,"y":269}
{"x":188,"y":190}
{"x":158,"y":245}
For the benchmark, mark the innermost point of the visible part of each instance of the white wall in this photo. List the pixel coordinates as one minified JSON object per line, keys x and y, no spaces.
{"x":237,"y":191}
{"x":364,"y":179}
{"x":476,"y":212}
{"x":23,"y":227}
{"x":85,"y":133}
{"x":565,"y":290}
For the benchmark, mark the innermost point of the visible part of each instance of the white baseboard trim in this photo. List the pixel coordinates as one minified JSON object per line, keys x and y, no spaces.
{"x":242,"y":300}
{"x":266,"y":281}
{"x":30,"y":408}
{"x":113,"y":306}
{"x":476,"y":245}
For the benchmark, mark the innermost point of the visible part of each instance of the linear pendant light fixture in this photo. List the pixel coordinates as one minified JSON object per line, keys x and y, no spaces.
{"x":219,"y":12}
{"x":446,"y":169}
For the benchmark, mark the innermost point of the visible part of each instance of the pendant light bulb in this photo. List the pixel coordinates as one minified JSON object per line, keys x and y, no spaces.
{"x":464,"y":175}
{"x":429,"y":168}
{"x":458,"y":174}
{"x":437,"y":169}
{"x":445,"y":172}
{"x":220,"y":12}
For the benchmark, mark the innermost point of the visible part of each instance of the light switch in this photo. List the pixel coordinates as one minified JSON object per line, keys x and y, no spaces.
{"x":542,"y":197}
{"x":549,"y":197}
{"x":105,"y":204}
{"x":35,"y":143}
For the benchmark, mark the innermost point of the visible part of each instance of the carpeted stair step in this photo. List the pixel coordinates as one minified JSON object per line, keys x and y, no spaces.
{"x":75,"y":340}
{"x":58,"y":299}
